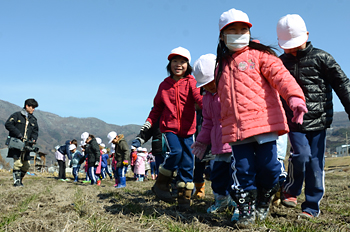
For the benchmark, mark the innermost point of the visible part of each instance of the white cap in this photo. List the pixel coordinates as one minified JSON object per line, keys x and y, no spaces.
{"x":104,"y":151}
{"x":180,"y":51}
{"x":139,"y":149}
{"x":84,"y":136}
{"x":203,"y":69}
{"x":111,"y":135}
{"x":233,"y":16}
{"x":102,"y":145}
{"x":72,"y":147}
{"x":98,"y":140}
{"x":144,"y":149}
{"x":132,"y":147}
{"x":291,"y":31}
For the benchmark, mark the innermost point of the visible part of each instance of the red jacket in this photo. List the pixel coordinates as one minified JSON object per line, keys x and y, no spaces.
{"x":174,"y":103}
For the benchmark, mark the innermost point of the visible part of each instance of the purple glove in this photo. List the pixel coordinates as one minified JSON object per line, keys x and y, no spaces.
{"x":299,"y":109}
{"x":198,"y":149}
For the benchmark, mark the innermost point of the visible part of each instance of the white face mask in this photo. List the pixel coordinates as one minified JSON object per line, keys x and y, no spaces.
{"x":236,"y":42}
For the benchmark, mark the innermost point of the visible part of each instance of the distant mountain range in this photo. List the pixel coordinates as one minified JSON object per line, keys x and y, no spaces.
{"x":55,"y":130}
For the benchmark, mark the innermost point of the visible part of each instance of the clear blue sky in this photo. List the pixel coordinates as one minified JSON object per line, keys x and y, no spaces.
{"x":106,"y":58}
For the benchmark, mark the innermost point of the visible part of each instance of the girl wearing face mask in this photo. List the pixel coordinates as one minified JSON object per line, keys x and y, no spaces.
{"x":250,"y":80}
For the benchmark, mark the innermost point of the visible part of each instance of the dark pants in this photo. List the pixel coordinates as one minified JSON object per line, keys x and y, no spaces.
{"x":255,"y":166}
{"x":307,"y":164}
{"x":199,"y":168}
{"x":61,"y":169}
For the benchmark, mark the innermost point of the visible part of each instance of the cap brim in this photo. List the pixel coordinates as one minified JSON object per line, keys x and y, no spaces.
{"x":200,"y":84}
{"x":293,"y":43}
{"x":249,"y":24}
{"x":174,"y":54}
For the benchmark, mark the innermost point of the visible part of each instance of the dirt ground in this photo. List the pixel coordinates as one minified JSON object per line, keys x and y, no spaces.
{"x":46,"y":204}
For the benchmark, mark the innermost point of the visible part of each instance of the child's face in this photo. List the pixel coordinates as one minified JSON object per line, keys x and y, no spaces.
{"x":294,"y":51}
{"x":235,"y":28}
{"x":210,"y":87}
{"x":179,"y":66}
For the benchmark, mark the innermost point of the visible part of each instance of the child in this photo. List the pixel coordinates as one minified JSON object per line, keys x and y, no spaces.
{"x":151,"y":159}
{"x":140,"y":164}
{"x":211,"y":134}
{"x":92,"y":151}
{"x":133,"y":157}
{"x":317,"y":73}
{"x":249,"y":80}
{"x":76,"y":156}
{"x":174,"y":107}
{"x":121,"y":156}
{"x":104,"y":164}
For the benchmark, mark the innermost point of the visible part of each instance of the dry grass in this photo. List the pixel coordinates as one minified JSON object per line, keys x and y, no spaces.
{"x":45,"y":204}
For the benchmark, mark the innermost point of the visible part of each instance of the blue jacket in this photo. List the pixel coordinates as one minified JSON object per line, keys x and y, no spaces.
{"x":105,"y":158}
{"x":64,"y":149}
{"x":76,"y":156}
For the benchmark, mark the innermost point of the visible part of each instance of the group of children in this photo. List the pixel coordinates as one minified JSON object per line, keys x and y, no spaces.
{"x":251,"y":97}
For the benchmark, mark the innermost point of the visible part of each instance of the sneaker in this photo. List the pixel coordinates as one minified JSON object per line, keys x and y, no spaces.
{"x":62,"y":180}
{"x":86,"y":181}
{"x":289,"y":200}
{"x":67,"y":180}
{"x":221,"y":202}
{"x":306,"y":215}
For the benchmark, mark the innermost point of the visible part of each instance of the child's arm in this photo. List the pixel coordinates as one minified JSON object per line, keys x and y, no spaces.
{"x":338,"y":80}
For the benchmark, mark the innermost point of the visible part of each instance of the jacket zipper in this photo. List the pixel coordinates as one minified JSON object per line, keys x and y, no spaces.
{"x":177,"y":100}
{"x":234,"y":103}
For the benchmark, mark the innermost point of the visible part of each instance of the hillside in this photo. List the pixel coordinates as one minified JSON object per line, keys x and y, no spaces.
{"x":55,"y":130}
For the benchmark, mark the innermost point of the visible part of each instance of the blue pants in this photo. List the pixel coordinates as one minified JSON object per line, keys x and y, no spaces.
{"x":92,"y":174}
{"x":307,"y":163}
{"x":180,"y":156}
{"x":219,"y":176}
{"x":159,"y":161}
{"x":120,"y":172}
{"x":153,"y":167}
{"x":104,"y":171}
{"x":255,"y":166}
{"x":75,"y":172}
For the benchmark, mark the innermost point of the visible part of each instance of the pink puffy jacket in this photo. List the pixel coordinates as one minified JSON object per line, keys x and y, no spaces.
{"x":249,"y":90}
{"x":211,"y":127}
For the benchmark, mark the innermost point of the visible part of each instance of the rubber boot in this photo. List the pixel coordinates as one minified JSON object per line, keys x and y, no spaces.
{"x":23,"y":173}
{"x":116,"y":182}
{"x":245,"y":201}
{"x":200,"y":191}
{"x":99,"y":182}
{"x":110,"y":176}
{"x":162,"y":186}
{"x":16,"y":178}
{"x":184,"y":192}
{"x":153,"y":177}
{"x":122,"y":183}
{"x":264,"y":200}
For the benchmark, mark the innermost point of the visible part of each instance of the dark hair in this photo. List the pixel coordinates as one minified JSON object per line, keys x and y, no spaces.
{"x":188,"y":71}
{"x":223,"y":53}
{"x":31,"y":102}
{"x":75,"y":142}
{"x":91,"y":136}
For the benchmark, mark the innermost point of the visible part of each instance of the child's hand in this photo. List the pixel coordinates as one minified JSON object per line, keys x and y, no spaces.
{"x":299,"y":109}
{"x":125,"y":162}
{"x":198,"y":149}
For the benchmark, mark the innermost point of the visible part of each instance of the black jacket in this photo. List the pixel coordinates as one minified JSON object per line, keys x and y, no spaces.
{"x":317,"y":73}
{"x":16,"y":124}
{"x":157,"y":138}
{"x":93,"y":152}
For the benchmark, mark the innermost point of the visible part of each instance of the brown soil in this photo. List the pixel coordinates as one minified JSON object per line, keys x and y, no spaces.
{"x":46,"y":204}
